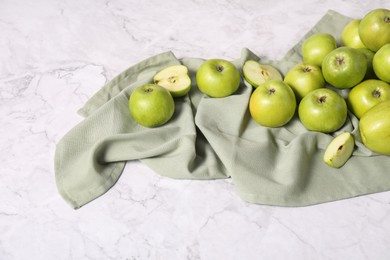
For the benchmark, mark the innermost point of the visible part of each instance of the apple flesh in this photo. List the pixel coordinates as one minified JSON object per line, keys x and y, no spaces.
{"x":256,"y":73}
{"x":339,"y":150}
{"x":174,"y":78}
{"x":374,"y":29}
{"x":218,"y":78}
{"x":151,"y":105}
{"x":375,"y":128}
{"x":304,"y":78}
{"x":350,"y":35}
{"x":344,"y":67}
{"x":323,"y":110}
{"x":381,"y":63}
{"x":272,"y":104}
{"x":367,"y":94}
{"x":316,"y":47}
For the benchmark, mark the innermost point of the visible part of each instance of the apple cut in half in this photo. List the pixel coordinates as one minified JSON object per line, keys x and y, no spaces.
{"x":339,"y":150}
{"x":256,"y":73}
{"x":175,"y":79}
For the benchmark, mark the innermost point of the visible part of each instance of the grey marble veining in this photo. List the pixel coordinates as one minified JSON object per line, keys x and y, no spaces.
{"x":54,"y":55}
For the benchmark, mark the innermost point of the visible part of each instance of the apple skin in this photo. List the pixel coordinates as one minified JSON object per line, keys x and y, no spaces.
{"x":272,"y":104}
{"x":151,"y":105}
{"x":374,"y":29}
{"x":367,"y":94}
{"x":304,"y":78}
{"x":350,"y":35}
{"x":218,"y":78}
{"x":323,"y":110}
{"x":375,"y":128}
{"x":381,"y":63}
{"x":370,"y":74}
{"x":316,"y":47}
{"x":344,"y":67}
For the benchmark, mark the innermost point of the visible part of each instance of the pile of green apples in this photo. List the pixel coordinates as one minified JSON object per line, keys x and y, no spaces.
{"x":330,"y":81}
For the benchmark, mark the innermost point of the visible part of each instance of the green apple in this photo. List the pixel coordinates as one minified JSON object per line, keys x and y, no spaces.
{"x":339,"y":150}
{"x":218,"y":78}
{"x":370,"y":74}
{"x":304,"y":78}
{"x":272,"y":104}
{"x":316,"y":47}
{"x":174,"y":78}
{"x":344,"y":67}
{"x":151,"y":105}
{"x":256,"y":73}
{"x":367,"y":94}
{"x":381,"y":63}
{"x":375,"y":128}
{"x":374,"y":29}
{"x":350,"y":35}
{"x":323,"y":110}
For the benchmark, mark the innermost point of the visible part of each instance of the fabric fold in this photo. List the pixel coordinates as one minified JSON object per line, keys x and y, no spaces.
{"x":213,"y":138}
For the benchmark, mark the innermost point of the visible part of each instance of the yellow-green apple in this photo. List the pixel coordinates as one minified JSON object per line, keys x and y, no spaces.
{"x":370,"y":74}
{"x":374,"y":29}
{"x":339,"y":150}
{"x":151,"y":105}
{"x":256,"y":73}
{"x":218,"y":78}
{"x":350,"y":35}
{"x":344,"y":67}
{"x":272,"y":104}
{"x":304,"y":78}
{"x":316,"y":47}
{"x":375,"y":128}
{"x":323,"y":110}
{"x":174,"y":78}
{"x":367,"y":94}
{"x":381,"y":63}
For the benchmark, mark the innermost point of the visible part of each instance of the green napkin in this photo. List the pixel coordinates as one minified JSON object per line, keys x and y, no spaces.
{"x":213,"y":138}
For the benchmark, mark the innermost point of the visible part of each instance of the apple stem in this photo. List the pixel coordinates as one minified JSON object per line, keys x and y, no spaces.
{"x":376,"y":93}
{"x":219,"y":68}
{"x":322,"y":99}
{"x":306,"y":69}
{"x":339,"y":61}
{"x":147,"y":90}
{"x":387,"y":19}
{"x":271,"y":91}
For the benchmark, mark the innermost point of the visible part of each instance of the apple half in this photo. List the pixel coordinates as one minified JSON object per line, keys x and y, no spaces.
{"x":339,"y":150}
{"x":175,"y":79}
{"x":256,"y":73}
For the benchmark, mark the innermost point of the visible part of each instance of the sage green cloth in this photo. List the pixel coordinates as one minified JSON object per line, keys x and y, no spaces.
{"x":213,"y":138}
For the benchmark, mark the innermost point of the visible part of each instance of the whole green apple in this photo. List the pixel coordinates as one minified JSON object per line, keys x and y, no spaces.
{"x":370,"y":74}
{"x":367,"y":94}
{"x":375,"y":128}
{"x":350,"y":35}
{"x":374,"y":29}
{"x":272,"y":104}
{"x":316,"y":47}
{"x":304,"y":78}
{"x":218,"y":78}
{"x":381,"y":63}
{"x":151,"y":105}
{"x":344,"y":67}
{"x":323,"y":110}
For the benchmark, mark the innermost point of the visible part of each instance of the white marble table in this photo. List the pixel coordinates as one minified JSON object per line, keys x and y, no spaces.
{"x":55,"y":54}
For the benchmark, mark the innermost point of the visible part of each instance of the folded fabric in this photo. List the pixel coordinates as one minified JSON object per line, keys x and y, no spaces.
{"x":213,"y":138}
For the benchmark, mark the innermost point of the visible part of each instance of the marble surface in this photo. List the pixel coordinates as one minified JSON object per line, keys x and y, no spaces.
{"x":54,"y":55}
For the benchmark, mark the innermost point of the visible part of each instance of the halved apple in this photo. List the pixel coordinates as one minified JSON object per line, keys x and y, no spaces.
{"x":174,"y":78}
{"x":339,"y":150}
{"x":256,"y":73}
